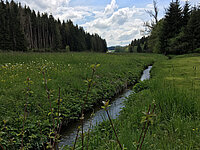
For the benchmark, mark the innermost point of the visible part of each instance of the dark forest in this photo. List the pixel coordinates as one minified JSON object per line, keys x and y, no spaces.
{"x":23,"y":29}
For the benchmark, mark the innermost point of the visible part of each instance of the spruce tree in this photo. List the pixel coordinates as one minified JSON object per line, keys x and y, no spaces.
{"x":145,"y":49}
{"x":186,"y":13}
{"x":139,"y":49}
{"x":4,"y":30}
{"x":171,"y":26}
{"x":21,"y":28}
{"x":130,"y":49}
{"x":193,"y":30}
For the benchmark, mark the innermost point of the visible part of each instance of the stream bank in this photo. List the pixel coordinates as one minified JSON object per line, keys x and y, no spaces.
{"x":68,"y":136}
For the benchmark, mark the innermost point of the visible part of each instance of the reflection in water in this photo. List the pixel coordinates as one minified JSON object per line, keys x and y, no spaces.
{"x":68,"y":137}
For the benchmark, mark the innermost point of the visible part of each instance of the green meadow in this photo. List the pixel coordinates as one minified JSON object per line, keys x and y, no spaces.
{"x":41,"y":90}
{"x":163,"y":113}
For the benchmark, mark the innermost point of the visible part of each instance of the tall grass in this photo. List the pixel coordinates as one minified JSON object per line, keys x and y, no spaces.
{"x":64,"y":71}
{"x":174,"y":88}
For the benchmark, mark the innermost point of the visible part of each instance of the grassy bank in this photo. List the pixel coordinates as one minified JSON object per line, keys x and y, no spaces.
{"x":29,"y":90}
{"x":174,"y":89}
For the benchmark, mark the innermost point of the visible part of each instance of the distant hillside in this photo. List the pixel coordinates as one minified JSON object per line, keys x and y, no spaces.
{"x":111,"y":48}
{"x":22,"y":29}
{"x":118,"y":49}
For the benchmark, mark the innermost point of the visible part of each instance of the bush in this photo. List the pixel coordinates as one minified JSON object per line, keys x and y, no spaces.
{"x":142,"y":85}
{"x":197,"y":50}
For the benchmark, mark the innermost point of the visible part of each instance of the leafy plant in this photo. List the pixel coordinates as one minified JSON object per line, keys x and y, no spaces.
{"x":142,"y":85}
{"x":49,"y":73}
{"x":105,"y":107}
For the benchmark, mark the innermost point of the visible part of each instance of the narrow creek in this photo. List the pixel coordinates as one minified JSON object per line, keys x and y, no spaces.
{"x":69,"y":135}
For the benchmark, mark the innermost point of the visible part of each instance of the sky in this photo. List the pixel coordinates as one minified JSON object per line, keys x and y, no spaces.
{"x":117,"y":21}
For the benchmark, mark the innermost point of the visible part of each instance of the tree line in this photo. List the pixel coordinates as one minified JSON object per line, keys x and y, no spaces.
{"x":139,"y":45}
{"x":22,"y":29}
{"x":178,"y":32}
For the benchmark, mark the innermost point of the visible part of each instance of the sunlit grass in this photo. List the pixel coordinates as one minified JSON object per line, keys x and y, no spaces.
{"x":67,"y":71}
{"x":175,"y":88}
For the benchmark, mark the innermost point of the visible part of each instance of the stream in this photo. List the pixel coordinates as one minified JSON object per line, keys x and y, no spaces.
{"x":69,"y":135}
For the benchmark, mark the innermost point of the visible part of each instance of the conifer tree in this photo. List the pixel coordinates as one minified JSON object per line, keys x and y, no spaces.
{"x":130,"y":48}
{"x":139,"y":49}
{"x":171,"y":25}
{"x":22,"y":29}
{"x":193,"y":29}
{"x":145,"y":49}
{"x":186,"y":13}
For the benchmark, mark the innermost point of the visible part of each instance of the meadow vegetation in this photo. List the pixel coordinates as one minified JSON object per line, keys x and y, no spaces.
{"x":40,"y":92}
{"x":175,"y":124}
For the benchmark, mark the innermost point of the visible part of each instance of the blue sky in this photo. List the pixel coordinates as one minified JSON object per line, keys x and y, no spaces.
{"x":117,"y":21}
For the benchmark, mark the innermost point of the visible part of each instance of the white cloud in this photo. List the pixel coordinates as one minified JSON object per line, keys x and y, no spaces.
{"x":116,"y":25}
{"x":45,"y":5}
{"x":120,"y":27}
{"x":150,"y":6}
{"x":100,"y":23}
{"x":110,"y":8}
{"x":73,"y":13}
{"x":120,"y":17}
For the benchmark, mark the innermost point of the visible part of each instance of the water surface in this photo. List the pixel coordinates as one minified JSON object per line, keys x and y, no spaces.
{"x":69,"y":135}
